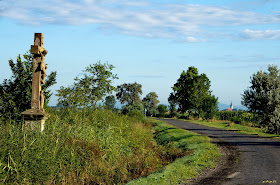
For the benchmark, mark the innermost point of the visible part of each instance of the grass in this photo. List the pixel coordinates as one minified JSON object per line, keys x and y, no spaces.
{"x":243,"y":129}
{"x":101,"y":147}
{"x":80,"y":147}
{"x":203,"y":155}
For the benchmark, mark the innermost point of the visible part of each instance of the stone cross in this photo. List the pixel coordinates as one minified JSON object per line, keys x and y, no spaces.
{"x":38,"y":78}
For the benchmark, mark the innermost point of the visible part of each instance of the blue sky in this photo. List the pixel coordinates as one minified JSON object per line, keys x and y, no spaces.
{"x":150,"y":42}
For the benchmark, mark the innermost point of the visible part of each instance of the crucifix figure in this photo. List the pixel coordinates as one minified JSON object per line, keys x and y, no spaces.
{"x":38,"y":77}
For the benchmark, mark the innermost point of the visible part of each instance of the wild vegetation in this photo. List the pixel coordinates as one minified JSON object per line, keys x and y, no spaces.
{"x":15,"y":93}
{"x":82,"y":147}
{"x":202,"y":154}
{"x":263,"y":98}
{"x":91,"y":87}
{"x":84,"y":143}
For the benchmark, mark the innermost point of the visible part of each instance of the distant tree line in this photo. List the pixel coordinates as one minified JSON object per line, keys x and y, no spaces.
{"x":191,"y":94}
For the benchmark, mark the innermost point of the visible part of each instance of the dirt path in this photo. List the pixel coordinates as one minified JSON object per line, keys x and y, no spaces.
{"x":258,"y":158}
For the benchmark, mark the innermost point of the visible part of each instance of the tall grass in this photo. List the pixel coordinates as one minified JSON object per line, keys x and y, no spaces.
{"x":81,"y":147}
{"x":202,"y":155}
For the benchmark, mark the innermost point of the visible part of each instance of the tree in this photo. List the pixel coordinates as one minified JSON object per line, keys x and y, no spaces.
{"x":135,"y":109}
{"x":150,"y":103}
{"x":191,"y":91}
{"x":263,"y":98}
{"x":15,"y":93}
{"x":92,"y":87}
{"x":210,"y":107}
{"x":162,"y":110}
{"x":172,"y":102}
{"x":129,"y":93}
{"x":110,"y":102}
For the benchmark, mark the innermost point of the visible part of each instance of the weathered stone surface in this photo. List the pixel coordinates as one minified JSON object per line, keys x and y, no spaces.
{"x":36,"y":113}
{"x":35,"y":122}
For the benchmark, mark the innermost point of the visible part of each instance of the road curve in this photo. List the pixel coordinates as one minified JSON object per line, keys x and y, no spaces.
{"x":258,"y":161}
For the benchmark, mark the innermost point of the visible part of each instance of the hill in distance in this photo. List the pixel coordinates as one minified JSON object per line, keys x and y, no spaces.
{"x":225,"y":106}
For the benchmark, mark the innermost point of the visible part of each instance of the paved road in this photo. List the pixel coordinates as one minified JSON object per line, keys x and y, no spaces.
{"x":259,"y":159}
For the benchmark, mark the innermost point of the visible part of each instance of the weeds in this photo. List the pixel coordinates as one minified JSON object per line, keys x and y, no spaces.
{"x":196,"y":153}
{"x":82,"y":147}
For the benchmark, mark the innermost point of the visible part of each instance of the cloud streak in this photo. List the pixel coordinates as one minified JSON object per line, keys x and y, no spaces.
{"x":260,"y":34}
{"x":187,"y":22}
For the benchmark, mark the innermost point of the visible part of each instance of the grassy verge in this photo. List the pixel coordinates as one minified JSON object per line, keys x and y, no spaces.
{"x":227,"y":125}
{"x":81,"y":147}
{"x":203,"y":155}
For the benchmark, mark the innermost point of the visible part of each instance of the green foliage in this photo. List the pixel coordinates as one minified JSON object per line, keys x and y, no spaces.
{"x":110,"y":102}
{"x":202,"y":154}
{"x":15,"y":93}
{"x":92,"y":87}
{"x":129,"y":93}
{"x":150,"y":103}
{"x":162,"y":109}
{"x":210,"y":107}
{"x":81,"y":147}
{"x":192,"y":93}
{"x":172,"y":102}
{"x":134,"y":110}
{"x":263,"y":97}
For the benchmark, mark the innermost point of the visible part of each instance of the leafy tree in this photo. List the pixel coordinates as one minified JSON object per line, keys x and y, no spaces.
{"x":210,"y":107}
{"x":87,"y":90}
{"x":134,"y":110}
{"x":110,"y":102}
{"x":191,"y":91}
{"x":15,"y":93}
{"x":129,"y":93}
{"x":172,"y":102}
{"x":162,"y":109}
{"x":263,"y":98}
{"x":150,"y":103}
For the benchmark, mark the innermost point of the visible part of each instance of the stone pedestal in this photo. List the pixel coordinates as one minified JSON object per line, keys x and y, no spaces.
{"x":36,"y":116}
{"x":33,"y":121}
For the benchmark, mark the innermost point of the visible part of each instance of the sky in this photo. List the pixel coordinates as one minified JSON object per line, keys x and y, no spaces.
{"x":148,"y":41}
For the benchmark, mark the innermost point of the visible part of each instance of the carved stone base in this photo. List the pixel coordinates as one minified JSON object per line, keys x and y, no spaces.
{"x":35,"y":121}
{"x":33,"y":112}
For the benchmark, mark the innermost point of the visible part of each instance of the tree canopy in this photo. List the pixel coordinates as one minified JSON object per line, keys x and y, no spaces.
{"x":110,"y":102}
{"x":162,"y":110}
{"x":15,"y":93}
{"x":263,"y":97}
{"x":92,"y":87}
{"x":150,"y":103}
{"x":192,"y":92}
{"x":129,"y":93}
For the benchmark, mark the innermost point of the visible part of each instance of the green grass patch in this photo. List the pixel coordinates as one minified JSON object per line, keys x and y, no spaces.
{"x":243,"y":129}
{"x":81,"y":147}
{"x":203,"y":154}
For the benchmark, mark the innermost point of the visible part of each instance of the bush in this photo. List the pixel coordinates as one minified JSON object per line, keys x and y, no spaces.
{"x":172,"y":115}
{"x":236,"y":119}
{"x":184,"y":116}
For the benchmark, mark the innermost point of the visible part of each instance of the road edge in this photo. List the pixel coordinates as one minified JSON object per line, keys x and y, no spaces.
{"x":223,"y":169}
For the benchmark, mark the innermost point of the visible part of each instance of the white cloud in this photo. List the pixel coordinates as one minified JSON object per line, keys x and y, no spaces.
{"x":260,"y":34}
{"x":193,"y":39}
{"x":133,"y":17}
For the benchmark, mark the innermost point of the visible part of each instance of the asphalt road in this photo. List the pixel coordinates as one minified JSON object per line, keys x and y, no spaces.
{"x":258,"y":161}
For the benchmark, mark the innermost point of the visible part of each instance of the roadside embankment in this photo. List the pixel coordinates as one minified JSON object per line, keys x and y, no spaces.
{"x":204,"y":155}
